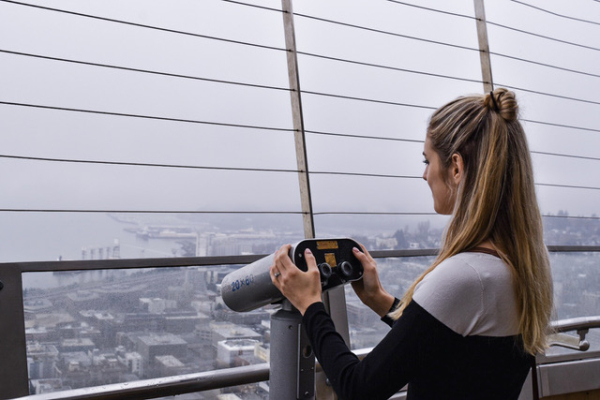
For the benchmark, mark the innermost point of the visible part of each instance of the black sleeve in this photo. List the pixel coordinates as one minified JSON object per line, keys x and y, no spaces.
{"x":381,"y":373}
{"x":435,"y":361}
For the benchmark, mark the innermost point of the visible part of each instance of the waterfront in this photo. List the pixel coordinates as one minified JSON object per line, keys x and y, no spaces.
{"x":50,"y":236}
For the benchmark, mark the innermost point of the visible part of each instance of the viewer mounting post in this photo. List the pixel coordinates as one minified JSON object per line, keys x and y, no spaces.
{"x":484,"y":47}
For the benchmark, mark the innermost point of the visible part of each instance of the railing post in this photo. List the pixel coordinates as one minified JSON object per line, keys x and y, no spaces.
{"x":13,"y":355}
{"x":298,"y":119}
{"x":484,"y":47}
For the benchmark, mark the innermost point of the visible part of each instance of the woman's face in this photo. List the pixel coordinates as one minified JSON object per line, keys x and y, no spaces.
{"x":437,"y":179}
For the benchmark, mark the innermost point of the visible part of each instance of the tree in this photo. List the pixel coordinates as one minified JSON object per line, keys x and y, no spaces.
{"x":402,"y":243}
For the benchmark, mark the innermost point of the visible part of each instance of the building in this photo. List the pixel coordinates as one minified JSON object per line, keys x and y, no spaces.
{"x":156,"y":305}
{"x":41,"y":360}
{"x":229,"y":350}
{"x":156,"y":344}
{"x":169,"y":365}
{"x":222,"y":331}
{"x":83,"y":300}
{"x":78,"y":344}
{"x":42,"y":386}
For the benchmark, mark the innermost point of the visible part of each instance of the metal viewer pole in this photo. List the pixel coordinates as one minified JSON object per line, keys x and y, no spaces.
{"x":292,"y":359}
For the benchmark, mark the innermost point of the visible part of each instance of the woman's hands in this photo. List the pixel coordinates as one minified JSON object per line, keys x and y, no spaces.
{"x":301,"y":288}
{"x":369,"y":289}
{"x":304,"y":288}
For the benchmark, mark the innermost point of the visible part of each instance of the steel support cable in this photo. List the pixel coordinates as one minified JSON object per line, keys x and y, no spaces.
{"x":374,"y":30}
{"x":153,"y":165}
{"x":436,"y":214}
{"x":543,"y":64}
{"x":277,"y":48}
{"x":542,"y":36}
{"x":240,"y":169}
{"x":432,"y":9}
{"x":349,"y":135}
{"x":558,"y":96}
{"x":374,"y":213}
{"x":42,"y":210}
{"x":393,"y":103}
{"x":381,"y":66}
{"x":145,"y":71}
{"x":247,"y":169}
{"x":219,"y":123}
{"x":361,"y":174}
{"x":556,"y":185}
{"x":88,"y":63}
{"x":545,"y":153}
{"x":420,"y":141}
{"x":151,"y":117}
{"x":571,"y":216}
{"x":581,"y":128}
{"x":161,"y":29}
{"x":241,"y":3}
{"x":556,"y":14}
{"x":160,"y":73}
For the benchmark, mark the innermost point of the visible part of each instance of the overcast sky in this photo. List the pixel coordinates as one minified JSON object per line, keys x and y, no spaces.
{"x":35,"y":132}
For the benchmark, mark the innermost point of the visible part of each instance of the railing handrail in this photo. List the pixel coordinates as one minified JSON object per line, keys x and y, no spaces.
{"x":575,"y":324}
{"x":172,"y":385}
{"x":167,"y":386}
{"x":189,"y":383}
{"x":209,"y":380}
{"x":108,"y":264}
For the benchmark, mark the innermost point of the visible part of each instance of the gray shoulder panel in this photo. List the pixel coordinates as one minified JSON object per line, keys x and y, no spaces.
{"x":472,"y":294}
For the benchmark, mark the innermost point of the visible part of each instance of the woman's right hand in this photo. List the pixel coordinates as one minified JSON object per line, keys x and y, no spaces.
{"x":369,"y":289}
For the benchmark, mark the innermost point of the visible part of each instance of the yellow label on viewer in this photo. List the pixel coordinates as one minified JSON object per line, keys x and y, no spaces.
{"x":327,"y":245}
{"x":330,"y":259}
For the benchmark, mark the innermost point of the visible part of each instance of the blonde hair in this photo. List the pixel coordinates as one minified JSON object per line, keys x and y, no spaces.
{"x":495,"y":201}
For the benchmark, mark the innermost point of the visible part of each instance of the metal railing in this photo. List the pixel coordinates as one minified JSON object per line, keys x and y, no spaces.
{"x":14,"y":379}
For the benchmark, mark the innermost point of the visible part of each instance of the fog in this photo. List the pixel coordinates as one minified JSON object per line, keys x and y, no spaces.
{"x":195,"y":54}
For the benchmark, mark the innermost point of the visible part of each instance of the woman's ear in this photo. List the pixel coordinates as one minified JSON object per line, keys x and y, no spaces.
{"x":457,"y":169}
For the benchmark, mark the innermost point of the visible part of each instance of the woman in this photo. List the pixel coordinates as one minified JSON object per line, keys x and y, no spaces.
{"x":470,"y":325}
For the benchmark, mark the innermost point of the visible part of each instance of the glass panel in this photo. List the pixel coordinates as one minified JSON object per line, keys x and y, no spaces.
{"x":86,"y":236}
{"x":90,"y":328}
{"x":150,"y":93}
{"x":396,"y":275}
{"x":576,"y":283}
{"x":546,"y":55}
{"x":576,"y":294}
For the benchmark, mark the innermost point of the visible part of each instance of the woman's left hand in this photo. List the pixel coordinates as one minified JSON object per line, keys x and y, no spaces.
{"x":301,"y":288}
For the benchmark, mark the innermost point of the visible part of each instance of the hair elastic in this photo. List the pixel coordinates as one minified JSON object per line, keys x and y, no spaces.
{"x":496,"y":108}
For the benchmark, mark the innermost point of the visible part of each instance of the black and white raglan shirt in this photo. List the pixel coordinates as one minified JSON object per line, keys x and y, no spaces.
{"x":457,"y":339}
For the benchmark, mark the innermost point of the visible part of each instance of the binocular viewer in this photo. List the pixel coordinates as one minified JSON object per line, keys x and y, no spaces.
{"x":250,"y":287}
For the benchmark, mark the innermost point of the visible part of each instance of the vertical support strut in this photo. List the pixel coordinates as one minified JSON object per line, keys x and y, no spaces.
{"x":335,"y":300}
{"x":484,"y":47}
{"x":298,"y":119}
{"x":13,"y":358}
